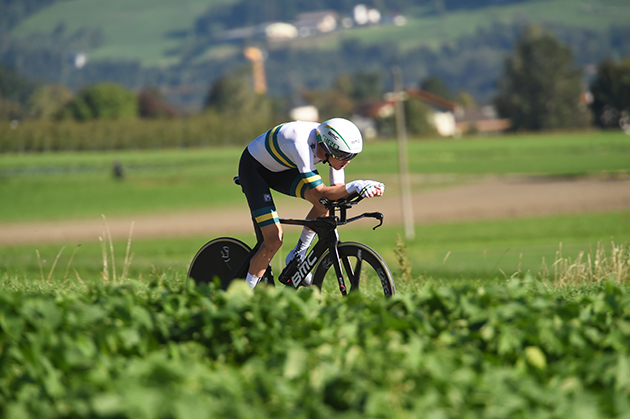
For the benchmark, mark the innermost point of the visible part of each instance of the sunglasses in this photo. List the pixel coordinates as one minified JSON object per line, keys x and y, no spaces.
{"x":338,"y":154}
{"x":342,"y":155}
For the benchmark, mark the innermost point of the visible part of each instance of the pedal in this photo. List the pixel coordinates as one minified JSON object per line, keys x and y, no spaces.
{"x":308,"y":280}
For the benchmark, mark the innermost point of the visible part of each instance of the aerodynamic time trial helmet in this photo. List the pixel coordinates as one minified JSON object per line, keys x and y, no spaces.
{"x":340,"y":138}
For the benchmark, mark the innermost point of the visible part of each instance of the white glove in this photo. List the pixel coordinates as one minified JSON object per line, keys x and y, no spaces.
{"x":365,"y":188}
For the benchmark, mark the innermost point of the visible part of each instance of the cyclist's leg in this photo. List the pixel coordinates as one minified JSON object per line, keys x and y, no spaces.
{"x":307,"y":235}
{"x":256,"y":182}
{"x":264,"y":215}
{"x":272,"y":241}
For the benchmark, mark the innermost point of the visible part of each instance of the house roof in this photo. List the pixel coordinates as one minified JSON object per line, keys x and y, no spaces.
{"x":432,"y":99}
{"x":484,"y":119}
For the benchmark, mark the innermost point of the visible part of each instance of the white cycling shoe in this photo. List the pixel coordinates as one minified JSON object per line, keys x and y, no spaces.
{"x":308,"y":280}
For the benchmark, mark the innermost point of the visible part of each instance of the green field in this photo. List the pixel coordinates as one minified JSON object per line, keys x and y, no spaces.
{"x":41,"y":186}
{"x":139,"y":29}
{"x":479,"y":329}
{"x":134,"y":30}
{"x":77,"y":185}
{"x":433,"y":30}
{"x":481,"y":251}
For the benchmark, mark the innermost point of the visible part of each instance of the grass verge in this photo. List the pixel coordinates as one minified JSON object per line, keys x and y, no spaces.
{"x":65,"y":185}
{"x":468,"y":252}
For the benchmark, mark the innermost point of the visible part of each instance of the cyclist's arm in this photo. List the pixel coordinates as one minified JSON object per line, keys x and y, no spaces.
{"x":332,"y":193}
{"x":337,"y":177}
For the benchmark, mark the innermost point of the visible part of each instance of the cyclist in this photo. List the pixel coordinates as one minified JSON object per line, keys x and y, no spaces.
{"x":284,"y":159}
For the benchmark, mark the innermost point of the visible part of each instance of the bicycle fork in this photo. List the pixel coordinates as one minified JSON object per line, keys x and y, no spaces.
{"x":343,"y":263}
{"x":334,"y":253}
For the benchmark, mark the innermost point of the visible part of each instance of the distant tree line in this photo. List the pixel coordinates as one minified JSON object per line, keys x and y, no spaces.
{"x":540,"y":87}
{"x":23,"y":99}
{"x":472,"y":63}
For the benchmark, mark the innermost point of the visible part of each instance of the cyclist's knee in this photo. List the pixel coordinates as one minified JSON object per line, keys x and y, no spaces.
{"x":272,"y":238}
{"x":273,"y":244}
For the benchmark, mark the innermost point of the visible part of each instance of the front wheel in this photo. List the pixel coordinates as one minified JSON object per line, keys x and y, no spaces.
{"x":363,"y":268}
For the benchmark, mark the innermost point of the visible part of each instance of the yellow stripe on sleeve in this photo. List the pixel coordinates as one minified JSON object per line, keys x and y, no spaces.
{"x":266,"y":217}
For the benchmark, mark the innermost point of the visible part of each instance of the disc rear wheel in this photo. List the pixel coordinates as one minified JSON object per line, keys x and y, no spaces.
{"x":225,"y":258}
{"x":220,"y":258}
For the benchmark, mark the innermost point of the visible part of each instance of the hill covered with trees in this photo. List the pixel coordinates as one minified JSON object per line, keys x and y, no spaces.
{"x":183,"y":52}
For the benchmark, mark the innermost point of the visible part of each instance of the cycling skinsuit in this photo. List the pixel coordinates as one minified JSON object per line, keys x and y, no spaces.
{"x":282,"y":159}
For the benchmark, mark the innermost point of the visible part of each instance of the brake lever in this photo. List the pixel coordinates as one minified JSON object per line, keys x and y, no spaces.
{"x":378,"y":216}
{"x":380,"y":219}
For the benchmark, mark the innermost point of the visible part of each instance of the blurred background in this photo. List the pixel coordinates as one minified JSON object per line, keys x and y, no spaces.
{"x":480,"y":61}
{"x":131,"y":108}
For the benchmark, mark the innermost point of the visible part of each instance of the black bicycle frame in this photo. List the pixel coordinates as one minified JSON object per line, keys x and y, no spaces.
{"x":328,"y":239}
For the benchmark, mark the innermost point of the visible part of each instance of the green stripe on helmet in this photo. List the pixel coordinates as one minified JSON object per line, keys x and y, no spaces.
{"x":340,"y":136}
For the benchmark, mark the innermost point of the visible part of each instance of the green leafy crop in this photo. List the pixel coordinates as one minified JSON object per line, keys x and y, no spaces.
{"x":516,"y":350}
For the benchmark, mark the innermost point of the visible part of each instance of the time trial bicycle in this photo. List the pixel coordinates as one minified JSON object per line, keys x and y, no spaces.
{"x":354,"y":264}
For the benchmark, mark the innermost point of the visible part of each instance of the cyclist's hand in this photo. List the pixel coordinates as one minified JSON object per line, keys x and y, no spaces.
{"x":365,"y":188}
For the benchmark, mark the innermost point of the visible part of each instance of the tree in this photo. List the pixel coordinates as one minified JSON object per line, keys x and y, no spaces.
{"x":233,"y":94}
{"x":347,"y":91}
{"x":10,"y":110}
{"x":239,"y":112}
{"x":360,"y":86}
{"x":540,"y":88}
{"x":48,"y":101}
{"x":611,"y":93}
{"x":14,"y":92}
{"x":151,"y":105}
{"x":104,"y":101}
{"x":417,"y":114}
{"x":466,"y":100}
{"x":436,"y":85}
{"x":331,"y":103}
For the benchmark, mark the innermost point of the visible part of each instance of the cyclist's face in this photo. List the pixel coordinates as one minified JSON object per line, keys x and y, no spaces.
{"x":336,"y":163}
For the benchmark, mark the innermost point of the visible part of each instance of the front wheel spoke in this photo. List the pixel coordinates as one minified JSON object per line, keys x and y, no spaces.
{"x":353,"y":274}
{"x":357,"y":269}
{"x":348,"y":268}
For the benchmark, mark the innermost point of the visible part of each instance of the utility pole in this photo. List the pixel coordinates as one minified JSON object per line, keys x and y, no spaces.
{"x":403,"y":161}
{"x":257,"y":57}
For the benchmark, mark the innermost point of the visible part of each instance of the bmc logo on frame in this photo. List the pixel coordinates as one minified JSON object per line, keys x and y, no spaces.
{"x":303,"y":270}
